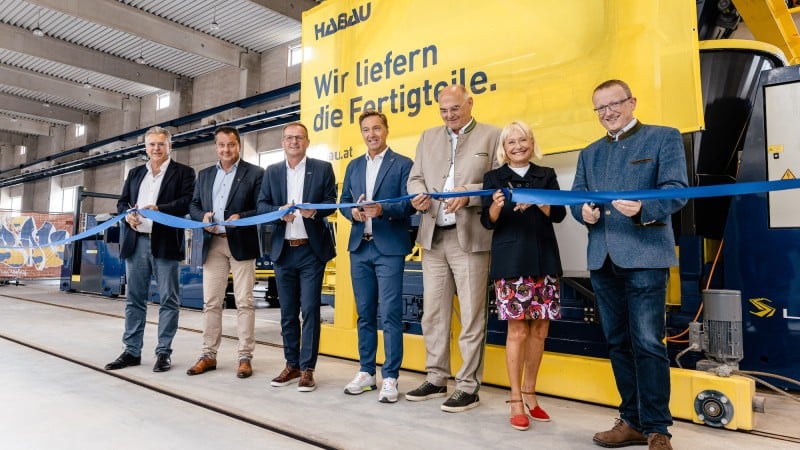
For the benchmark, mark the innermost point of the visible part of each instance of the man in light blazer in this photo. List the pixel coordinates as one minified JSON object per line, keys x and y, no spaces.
{"x":227,"y":191}
{"x":301,"y":245}
{"x":150,"y":248}
{"x":631,"y":246}
{"x":379,"y":243}
{"x":456,"y":246}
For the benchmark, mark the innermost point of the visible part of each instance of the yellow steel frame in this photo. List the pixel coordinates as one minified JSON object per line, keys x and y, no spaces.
{"x":771,"y":21}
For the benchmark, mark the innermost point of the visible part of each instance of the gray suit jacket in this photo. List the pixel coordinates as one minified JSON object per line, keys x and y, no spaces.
{"x":475,"y":155}
{"x":645,"y":157}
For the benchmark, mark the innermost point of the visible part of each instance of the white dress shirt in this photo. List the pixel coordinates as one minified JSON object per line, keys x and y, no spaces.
{"x":295,"y":180}
{"x":148,"y":193}
{"x":373,"y":166}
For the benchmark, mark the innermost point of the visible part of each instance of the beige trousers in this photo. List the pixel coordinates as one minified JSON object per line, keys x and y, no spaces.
{"x":219,"y":263}
{"x":447,"y":270}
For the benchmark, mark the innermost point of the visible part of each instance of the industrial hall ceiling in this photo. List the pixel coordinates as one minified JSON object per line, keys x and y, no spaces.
{"x":61,"y":60}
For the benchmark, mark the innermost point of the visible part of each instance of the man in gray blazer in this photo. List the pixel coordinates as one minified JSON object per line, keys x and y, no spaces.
{"x":227,"y":191}
{"x":456,"y":246}
{"x":631,"y":247}
{"x":379,"y":243}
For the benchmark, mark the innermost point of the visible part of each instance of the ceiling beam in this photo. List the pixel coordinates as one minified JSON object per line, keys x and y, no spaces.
{"x":36,"y":108}
{"x":24,"y":126}
{"x":32,"y":81}
{"x":128,"y":19}
{"x":293,"y":9}
{"x":21,"y":40}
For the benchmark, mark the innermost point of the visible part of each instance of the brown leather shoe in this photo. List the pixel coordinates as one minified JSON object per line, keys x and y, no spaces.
{"x":621,"y":435}
{"x":287,"y":376}
{"x":245,"y":369}
{"x":204,"y":364}
{"x":307,"y":383}
{"x":658,"y":441}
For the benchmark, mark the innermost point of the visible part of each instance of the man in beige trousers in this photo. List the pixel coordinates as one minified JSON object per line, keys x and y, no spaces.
{"x":456,"y":246}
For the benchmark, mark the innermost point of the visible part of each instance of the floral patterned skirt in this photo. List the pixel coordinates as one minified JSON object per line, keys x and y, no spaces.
{"x":528,"y":298}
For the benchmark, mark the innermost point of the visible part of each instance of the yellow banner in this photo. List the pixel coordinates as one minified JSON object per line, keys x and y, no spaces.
{"x":535,"y":60}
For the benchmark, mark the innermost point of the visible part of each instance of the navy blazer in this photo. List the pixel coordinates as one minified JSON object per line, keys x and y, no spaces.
{"x":319,"y":186}
{"x":173,"y":199}
{"x":524,"y":243}
{"x":242,"y":200}
{"x":390,"y":230}
{"x":645,"y":157}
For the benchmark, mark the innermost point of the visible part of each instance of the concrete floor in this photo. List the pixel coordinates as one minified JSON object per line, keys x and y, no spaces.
{"x":51,"y":402}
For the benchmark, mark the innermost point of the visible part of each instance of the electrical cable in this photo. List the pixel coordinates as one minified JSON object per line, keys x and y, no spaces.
{"x":769,"y":385}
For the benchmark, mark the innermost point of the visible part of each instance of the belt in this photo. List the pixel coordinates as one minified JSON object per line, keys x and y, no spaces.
{"x":220,"y":235}
{"x":445,"y":227}
{"x":296,"y":242}
{"x":367,"y":237}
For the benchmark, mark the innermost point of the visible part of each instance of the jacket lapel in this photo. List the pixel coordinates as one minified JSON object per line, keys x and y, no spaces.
{"x":388,"y":160}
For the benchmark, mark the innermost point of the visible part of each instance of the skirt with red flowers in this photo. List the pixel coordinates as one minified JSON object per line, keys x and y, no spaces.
{"x":528,"y":298}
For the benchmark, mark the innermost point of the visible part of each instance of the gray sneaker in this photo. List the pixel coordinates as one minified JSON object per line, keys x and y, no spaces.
{"x":426,"y":391}
{"x":460,"y":401}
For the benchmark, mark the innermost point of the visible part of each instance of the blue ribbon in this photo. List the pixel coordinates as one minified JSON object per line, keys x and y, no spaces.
{"x":519,"y":195}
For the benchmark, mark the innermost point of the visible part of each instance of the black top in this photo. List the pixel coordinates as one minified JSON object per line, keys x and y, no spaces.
{"x":523,"y":243}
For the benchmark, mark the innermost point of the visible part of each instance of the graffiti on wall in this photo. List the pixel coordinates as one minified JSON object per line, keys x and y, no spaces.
{"x":29,"y":235}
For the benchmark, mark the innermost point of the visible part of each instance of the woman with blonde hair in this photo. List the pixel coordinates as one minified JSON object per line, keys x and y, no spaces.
{"x":525,"y":265}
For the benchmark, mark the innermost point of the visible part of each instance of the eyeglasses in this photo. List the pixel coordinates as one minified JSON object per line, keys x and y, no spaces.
{"x":294,"y":138}
{"x":452,"y":109}
{"x":613,"y":106}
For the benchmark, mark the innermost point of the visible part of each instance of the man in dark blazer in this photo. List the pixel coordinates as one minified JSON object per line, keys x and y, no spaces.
{"x":379,"y":243}
{"x":150,"y":248}
{"x":227,"y":191}
{"x":302,"y":243}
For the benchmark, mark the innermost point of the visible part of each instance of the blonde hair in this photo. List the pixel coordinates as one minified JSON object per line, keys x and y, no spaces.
{"x":523,"y":128}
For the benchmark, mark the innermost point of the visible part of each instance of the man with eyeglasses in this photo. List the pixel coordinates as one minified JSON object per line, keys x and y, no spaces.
{"x":631,"y":247}
{"x":455,"y":257}
{"x":301,"y":245}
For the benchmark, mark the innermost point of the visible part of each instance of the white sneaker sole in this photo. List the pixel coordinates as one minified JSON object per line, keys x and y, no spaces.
{"x":364,"y":389}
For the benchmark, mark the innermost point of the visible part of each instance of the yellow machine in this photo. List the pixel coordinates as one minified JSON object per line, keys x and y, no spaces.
{"x":520,"y":66}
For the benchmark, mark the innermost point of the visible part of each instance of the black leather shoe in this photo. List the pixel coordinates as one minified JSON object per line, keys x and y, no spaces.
{"x":124,"y":360}
{"x":163,"y":363}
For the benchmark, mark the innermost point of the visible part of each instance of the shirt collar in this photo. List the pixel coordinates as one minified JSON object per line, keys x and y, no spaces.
{"x":464,"y":130}
{"x":234,"y":167}
{"x":162,"y":167}
{"x":377,"y":157}
{"x":300,"y":166}
{"x":616,"y":136}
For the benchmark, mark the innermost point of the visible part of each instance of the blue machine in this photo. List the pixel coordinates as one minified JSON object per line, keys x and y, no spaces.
{"x":762,"y":236}
{"x":93,"y":264}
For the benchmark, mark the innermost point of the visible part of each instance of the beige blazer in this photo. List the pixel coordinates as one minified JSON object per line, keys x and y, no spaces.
{"x":475,"y":155}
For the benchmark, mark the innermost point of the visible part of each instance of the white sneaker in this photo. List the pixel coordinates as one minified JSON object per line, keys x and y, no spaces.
{"x":363,"y":382}
{"x":388,"y":391}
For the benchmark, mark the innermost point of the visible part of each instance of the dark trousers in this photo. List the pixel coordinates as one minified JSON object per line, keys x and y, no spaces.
{"x":298,"y":273}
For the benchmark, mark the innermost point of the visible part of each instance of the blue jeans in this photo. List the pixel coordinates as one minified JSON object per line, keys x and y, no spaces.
{"x":378,"y":283}
{"x":631,"y":304}
{"x":298,"y":275}
{"x":139,"y":267}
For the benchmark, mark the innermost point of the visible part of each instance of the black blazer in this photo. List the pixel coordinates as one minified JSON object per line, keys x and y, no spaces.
{"x":319,"y":186}
{"x":523,"y":243}
{"x":173,"y":199}
{"x":242,"y":199}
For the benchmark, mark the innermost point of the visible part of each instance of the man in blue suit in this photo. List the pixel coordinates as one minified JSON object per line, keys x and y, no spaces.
{"x":631,"y":247}
{"x":379,"y":243}
{"x":150,"y":248}
{"x":227,"y":191}
{"x":301,"y":245}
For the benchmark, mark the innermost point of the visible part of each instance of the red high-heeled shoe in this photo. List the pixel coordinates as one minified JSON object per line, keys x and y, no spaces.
{"x":536,"y":412}
{"x":520,"y":421}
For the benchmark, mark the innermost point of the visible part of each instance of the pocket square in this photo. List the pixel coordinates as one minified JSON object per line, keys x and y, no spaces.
{"x":640,"y":161}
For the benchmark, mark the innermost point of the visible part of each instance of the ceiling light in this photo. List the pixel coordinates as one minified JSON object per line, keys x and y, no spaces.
{"x":46,"y":105}
{"x":38,"y":32}
{"x":87,"y":85}
{"x":140,"y":60}
{"x":214,"y":25}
